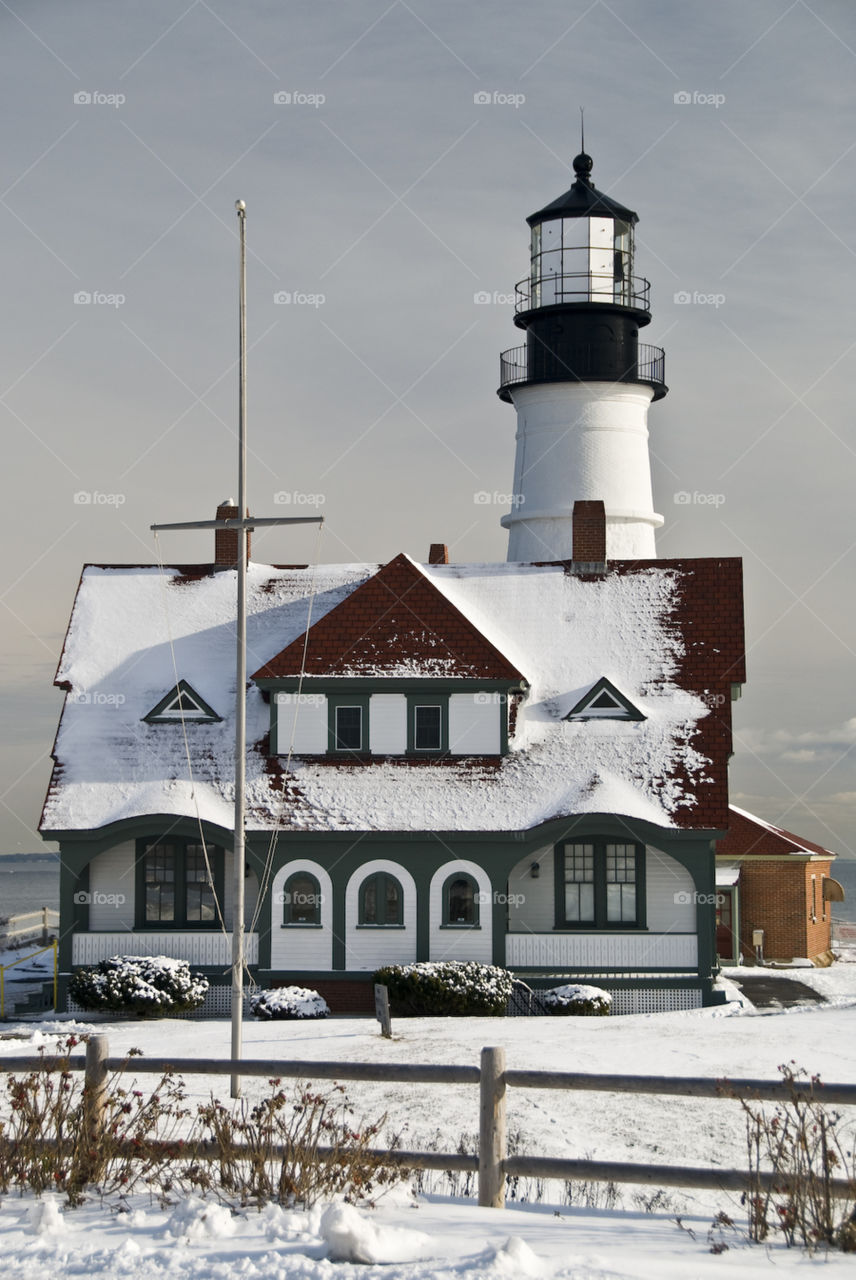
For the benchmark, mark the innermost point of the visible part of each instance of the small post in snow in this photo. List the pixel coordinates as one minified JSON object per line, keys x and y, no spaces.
{"x":95,"y":1086}
{"x":492,"y":1131}
{"x":381,"y":1004}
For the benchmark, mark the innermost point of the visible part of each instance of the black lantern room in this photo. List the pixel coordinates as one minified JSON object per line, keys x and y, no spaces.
{"x":582,"y":306}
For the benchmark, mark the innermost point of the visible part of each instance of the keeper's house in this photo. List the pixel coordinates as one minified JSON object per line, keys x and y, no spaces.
{"x":524,"y":764}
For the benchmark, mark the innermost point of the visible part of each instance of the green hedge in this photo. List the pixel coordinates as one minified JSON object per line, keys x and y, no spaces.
{"x":452,"y":988}
{"x":145,"y":985}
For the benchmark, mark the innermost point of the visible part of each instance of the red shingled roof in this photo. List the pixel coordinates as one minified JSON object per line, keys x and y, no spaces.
{"x":747,"y":835}
{"x":709,"y":618}
{"x":396,"y":618}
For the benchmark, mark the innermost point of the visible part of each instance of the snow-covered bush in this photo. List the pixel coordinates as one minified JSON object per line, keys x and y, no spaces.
{"x":456,"y":988}
{"x":147,"y":985}
{"x":577,"y":1001}
{"x":288,"y":1003}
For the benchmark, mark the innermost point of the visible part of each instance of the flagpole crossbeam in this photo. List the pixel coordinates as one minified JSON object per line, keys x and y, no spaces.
{"x":250,"y":523}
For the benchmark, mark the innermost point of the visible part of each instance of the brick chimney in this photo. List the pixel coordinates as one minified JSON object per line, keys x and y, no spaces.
{"x":438,"y":553}
{"x":589,"y":544}
{"x":226,"y":540}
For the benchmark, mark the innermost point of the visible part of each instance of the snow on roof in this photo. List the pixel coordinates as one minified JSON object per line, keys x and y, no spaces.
{"x":748,"y":834}
{"x":562,"y":631}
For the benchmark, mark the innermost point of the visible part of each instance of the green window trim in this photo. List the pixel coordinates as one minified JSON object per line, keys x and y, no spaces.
{"x":340,"y":725}
{"x":172,"y":886}
{"x":460,"y":902}
{"x":427,"y":713}
{"x":381,"y":888}
{"x":302,"y":901}
{"x":606,"y":881}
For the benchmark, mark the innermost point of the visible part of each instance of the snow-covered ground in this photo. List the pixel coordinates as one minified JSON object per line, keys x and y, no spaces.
{"x":456,"y":1238}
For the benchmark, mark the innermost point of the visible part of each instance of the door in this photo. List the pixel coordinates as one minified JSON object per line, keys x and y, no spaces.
{"x":726,"y":942}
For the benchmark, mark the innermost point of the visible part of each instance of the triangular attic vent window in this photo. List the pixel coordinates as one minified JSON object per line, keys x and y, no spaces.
{"x":604,"y":702}
{"x":182,"y":703}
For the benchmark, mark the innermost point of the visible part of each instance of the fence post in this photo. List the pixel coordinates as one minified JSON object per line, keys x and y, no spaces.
{"x":44,"y":926}
{"x":95,"y":1081}
{"x":492,"y":1135}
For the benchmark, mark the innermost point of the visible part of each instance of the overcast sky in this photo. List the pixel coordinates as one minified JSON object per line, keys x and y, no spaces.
{"x":384,"y":193}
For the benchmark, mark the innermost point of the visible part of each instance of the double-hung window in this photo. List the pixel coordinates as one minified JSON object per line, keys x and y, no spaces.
{"x":600,"y":884}
{"x":348,"y":723}
{"x":177,"y":887}
{"x":427,"y":724}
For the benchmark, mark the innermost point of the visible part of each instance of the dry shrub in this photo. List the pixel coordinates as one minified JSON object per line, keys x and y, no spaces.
{"x":802,"y":1142}
{"x":287,"y":1149}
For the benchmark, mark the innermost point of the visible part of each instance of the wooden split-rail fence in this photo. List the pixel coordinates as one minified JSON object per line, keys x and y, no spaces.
{"x":493,"y":1164}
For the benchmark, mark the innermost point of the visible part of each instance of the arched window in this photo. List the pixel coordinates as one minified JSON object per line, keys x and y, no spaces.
{"x":381,"y":901}
{"x":301,"y":900}
{"x":461,"y":901}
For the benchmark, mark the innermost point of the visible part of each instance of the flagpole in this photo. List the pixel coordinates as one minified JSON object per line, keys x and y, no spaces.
{"x":240,"y":674}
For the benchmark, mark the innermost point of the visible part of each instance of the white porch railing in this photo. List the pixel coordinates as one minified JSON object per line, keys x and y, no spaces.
{"x":595,"y":951}
{"x":208,"y":949}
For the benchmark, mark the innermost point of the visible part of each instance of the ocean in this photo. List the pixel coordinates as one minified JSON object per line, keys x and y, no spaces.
{"x":31,"y":880}
{"x":28,"y":881}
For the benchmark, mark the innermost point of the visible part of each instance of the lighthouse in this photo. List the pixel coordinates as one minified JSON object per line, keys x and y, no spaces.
{"x":582,"y":383}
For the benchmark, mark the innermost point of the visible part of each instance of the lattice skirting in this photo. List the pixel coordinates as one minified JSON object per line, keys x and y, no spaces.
{"x":655,"y":999}
{"x":217,"y":1004}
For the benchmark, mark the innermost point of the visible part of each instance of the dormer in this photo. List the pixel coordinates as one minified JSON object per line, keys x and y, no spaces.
{"x":182,"y":705}
{"x":604,"y":702}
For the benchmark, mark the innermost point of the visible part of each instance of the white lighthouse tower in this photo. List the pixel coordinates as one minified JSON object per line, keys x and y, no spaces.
{"x":583,"y":382}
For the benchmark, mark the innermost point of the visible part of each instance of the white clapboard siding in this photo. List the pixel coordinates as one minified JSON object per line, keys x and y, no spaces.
{"x":111,"y":887}
{"x":208,"y":949}
{"x":602,"y":950}
{"x":296,"y":946}
{"x":463,"y":943}
{"x":670,"y":893}
{"x":388,"y":724}
{"x":532,"y":899}
{"x":309,"y":727}
{"x":474,"y":724}
{"x":370,"y":948}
